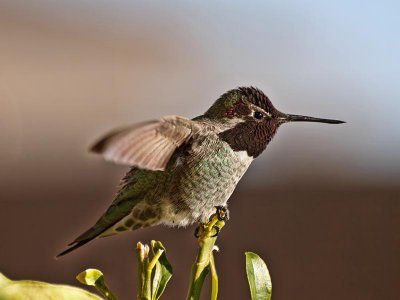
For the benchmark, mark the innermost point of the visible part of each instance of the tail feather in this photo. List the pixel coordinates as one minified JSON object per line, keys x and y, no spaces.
{"x":100,"y":227}
{"x":112,"y":216}
{"x":74,"y":245}
{"x":84,"y":238}
{"x":127,"y":198}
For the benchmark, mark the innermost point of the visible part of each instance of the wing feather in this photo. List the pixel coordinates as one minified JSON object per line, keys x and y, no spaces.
{"x":147,"y":145}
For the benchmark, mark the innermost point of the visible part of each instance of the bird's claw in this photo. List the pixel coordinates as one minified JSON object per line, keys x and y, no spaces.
{"x":222,"y":213}
{"x":217,"y":229}
{"x":198,"y":230}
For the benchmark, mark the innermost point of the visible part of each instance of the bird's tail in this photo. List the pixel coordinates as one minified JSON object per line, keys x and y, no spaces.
{"x":97,"y":230}
{"x":115,"y":213}
{"x":129,"y":197}
{"x":73,"y":246}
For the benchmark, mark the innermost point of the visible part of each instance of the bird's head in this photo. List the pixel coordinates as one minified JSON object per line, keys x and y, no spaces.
{"x":251,"y":119}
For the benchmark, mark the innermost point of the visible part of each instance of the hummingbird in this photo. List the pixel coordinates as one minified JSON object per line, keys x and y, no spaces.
{"x":182,"y":170}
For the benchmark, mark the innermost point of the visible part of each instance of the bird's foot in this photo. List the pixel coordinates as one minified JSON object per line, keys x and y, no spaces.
{"x":217,"y":229}
{"x":199,"y":230}
{"x":203,"y":227}
{"x":222,"y":213}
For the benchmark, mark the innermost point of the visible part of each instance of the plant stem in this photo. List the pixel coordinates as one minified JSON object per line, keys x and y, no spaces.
{"x":144,"y":275}
{"x":145,"y":269}
{"x":214,"y":278}
{"x":103,"y":289}
{"x":201,"y":267}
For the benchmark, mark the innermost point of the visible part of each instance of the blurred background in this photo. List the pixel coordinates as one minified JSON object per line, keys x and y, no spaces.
{"x":321,"y":205}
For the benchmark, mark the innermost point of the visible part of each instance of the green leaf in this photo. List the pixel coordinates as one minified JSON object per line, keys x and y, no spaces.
{"x":37,"y":290}
{"x":94,"y":277}
{"x":258,"y":277}
{"x":4,"y":281}
{"x":89,"y":276}
{"x":163,"y":272}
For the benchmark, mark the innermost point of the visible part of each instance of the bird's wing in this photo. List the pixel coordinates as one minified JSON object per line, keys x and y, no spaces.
{"x":148,"y":145}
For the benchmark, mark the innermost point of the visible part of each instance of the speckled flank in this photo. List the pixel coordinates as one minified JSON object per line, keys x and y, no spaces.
{"x":144,"y":190}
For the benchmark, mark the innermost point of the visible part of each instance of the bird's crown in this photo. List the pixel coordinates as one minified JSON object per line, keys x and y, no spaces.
{"x":237,"y":102}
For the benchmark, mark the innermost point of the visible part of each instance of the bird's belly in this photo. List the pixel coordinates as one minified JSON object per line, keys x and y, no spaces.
{"x":205,"y":182}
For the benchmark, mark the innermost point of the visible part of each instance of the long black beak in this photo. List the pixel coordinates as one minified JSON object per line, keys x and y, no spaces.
{"x":297,"y":118}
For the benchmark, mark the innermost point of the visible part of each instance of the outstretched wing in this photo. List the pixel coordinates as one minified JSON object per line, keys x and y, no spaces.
{"x":147,"y":145}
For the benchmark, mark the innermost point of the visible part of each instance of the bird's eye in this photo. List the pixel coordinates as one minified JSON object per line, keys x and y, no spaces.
{"x":258,"y":115}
